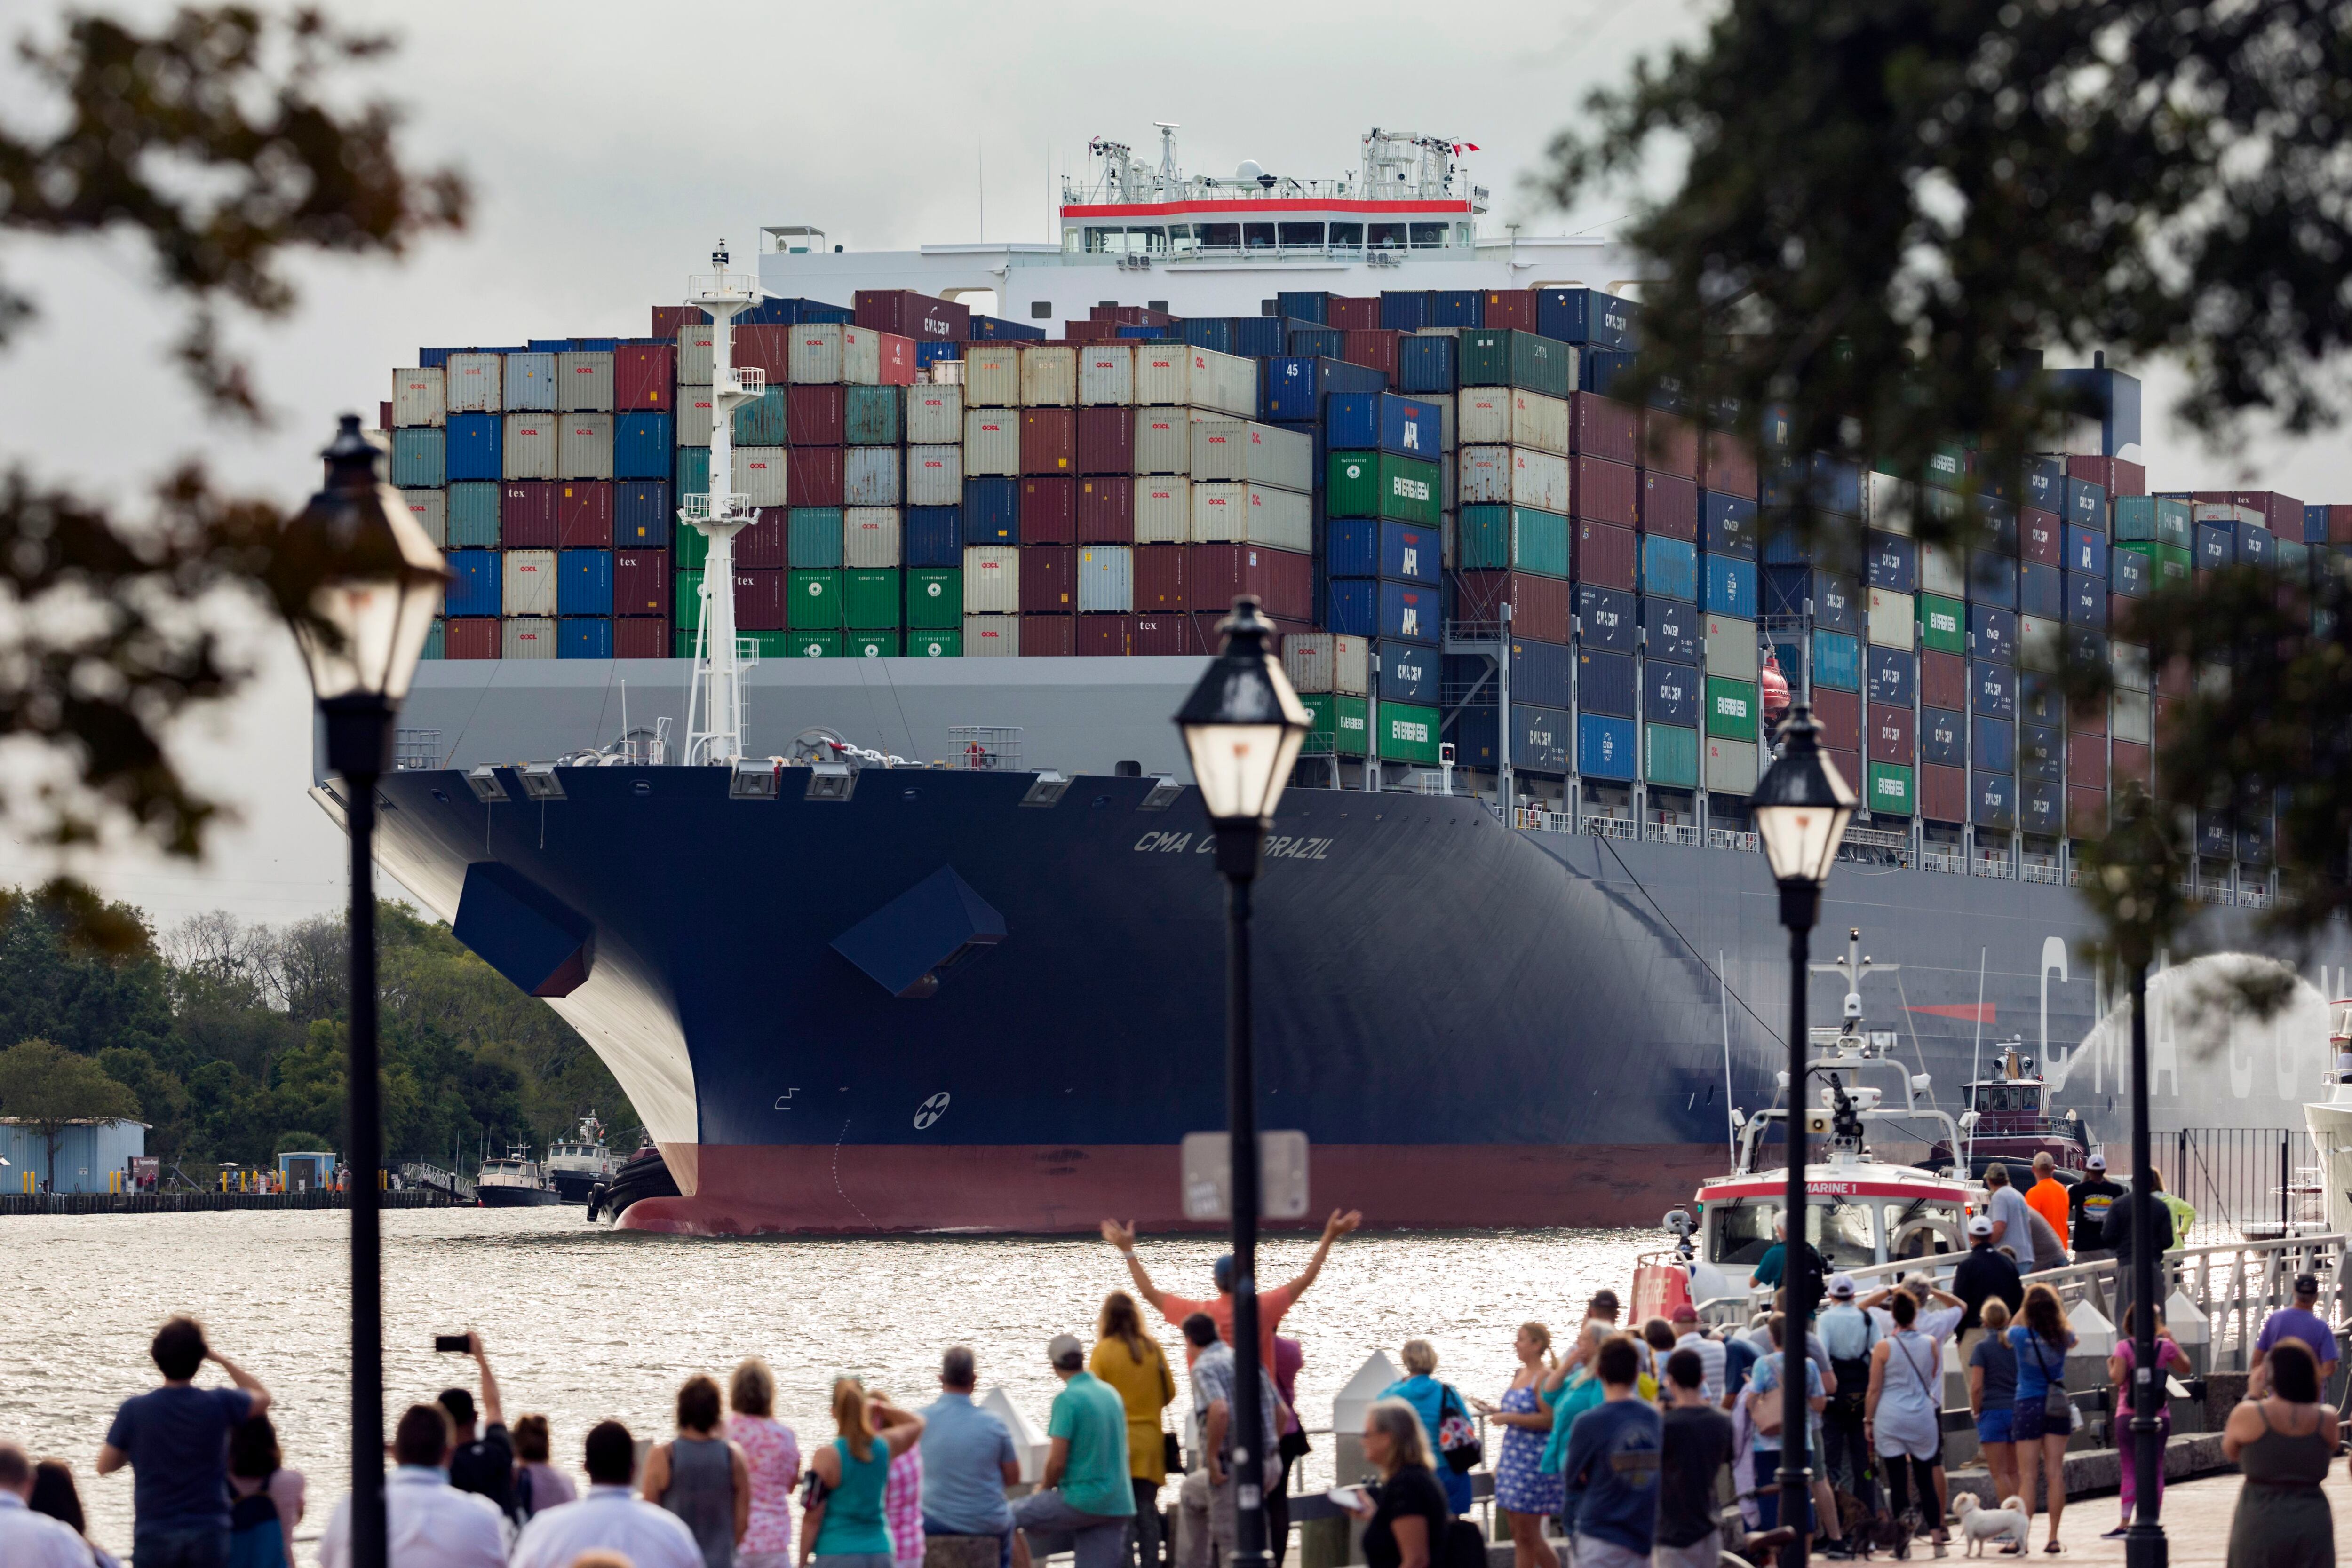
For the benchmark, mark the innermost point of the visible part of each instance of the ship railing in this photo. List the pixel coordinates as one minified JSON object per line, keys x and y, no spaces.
{"x":417,"y":1173}
{"x":1991,"y":865}
{"x":2055,"y":876}
{"x":1472,"y":636}
{"x":1536,"y":819}
{"x":1734,"y":839}
{"x":750,"y":379}
{"x":2210,"y":893}
{"x":1671,"y":832}
{"x":2254,"y":898}
{"x":1875,"y":846}
{"x":1612,"y":828}
{"x":415,"y":750}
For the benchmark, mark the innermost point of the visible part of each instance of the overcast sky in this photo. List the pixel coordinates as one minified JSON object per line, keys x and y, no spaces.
{"x":609,"y":144}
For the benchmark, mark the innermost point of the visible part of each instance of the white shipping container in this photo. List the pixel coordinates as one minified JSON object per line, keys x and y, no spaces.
{"x":1731,"y":765}
{"x":694,"y":360}
{"x":935,"y":476}
{"x":1537,"y":422}
{"x":1164,"y":510}
{"x":1483,"y":474}
{"x":529,"y":582}
{"x":1889,"y":504}
{"x":991,"y":580}
{"x":1106,"y":579}
{"x":1226,"y":383}
{"x":2130,"y":660}
{"x":418,"y":398}
{"x":1538,"y":479}
{"x":696,"y":405}
{"x":1163,"y":375}
{"x":1891,"y":622}
{"x":1105,"y":374}
{"x":471,"y":383}
{"x":991,"y":442}
{"x":584,"y":447}
{"x":2134,"y":717}
{"x":1731,"y":647}
{"x":527,"y":637}
{"x":2041,"y":642}
{"x":528,"y":382}
{"x":934,"y":413}
{"x":815,"y":356}
{"x":584,"y":381}
{"x":1163,"y":440}
{"x":1262,"y":453}
{"x":1049,"y":375}
{"x":869,"y":476}
{"x":991,"y":636}
{"x":870,"y":535}
{"x":757,"y":474}
{"x":1941,"y":570}
{"x":431,"y":510}
{"x":1483,"y":416}
{"x":1235,"y":513}
{"x":1328,"y":661}
{"x":530,"y":447}
{"x":992,"y":375}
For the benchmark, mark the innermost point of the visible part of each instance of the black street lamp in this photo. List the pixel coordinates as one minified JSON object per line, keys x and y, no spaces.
{"x":1801,"y":806}
{"x":378,"y":581}
{"x":2144,"y":1545}
{"x":1242,"y":727}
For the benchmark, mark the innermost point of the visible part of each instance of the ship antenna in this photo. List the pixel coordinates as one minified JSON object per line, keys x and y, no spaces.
{"x":714,"y":723}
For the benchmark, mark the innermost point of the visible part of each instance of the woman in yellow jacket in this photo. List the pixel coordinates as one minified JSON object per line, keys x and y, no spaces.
{"x":1131,"y":1362}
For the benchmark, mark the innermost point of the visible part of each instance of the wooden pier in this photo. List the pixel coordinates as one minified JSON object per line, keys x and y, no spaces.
{"x":207,"y":1202}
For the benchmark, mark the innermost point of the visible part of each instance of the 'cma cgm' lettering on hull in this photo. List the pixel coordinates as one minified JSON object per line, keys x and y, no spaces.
{"x":1280,"y":847}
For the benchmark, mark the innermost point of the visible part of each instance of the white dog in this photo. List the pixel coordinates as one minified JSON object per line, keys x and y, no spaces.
{"x":1979,"y":1525}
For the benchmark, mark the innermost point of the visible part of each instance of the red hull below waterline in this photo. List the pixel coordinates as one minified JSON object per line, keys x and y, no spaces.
{"x":747,"y":1189}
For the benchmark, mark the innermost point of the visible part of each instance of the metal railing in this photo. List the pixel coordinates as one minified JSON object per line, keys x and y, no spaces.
{"x":1734,"y":839}
{"x":2247,"y":1183}
{"x":1954,"y":864}
{"x":417,"y":1173}
{"x":750,"y":379}
{"x":1612,"y":828}
{"x":1991,"y":865}
{"x":1672,"y":833}
{"x":1468,"y":636}
{"x":415,"y":750}
{"x":1534,"y":820}
{"x":2055,"y":876}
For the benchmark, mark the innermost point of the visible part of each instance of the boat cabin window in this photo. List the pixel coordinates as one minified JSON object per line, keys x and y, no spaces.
{"x":1428,"y":237}
{"x":1841,"y":1233}
{"x":1227,"y":236}
{"x":1918,"y":1229}
{"x":1349,"y":236}
{"x":1180,"y":238}
{"x":1743,"y":1233}
{"x":1390,"y":236}
{"x":1258,"y":236}
{"x":2015,"y":1098}
{"x":1298,"y":236}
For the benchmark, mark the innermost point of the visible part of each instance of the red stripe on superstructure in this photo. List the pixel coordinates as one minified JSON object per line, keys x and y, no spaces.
{"x":1967,"y":1012}
{"x":1285,"y":204}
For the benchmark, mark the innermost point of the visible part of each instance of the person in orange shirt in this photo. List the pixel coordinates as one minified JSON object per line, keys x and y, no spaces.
{"x":2050,"y":1198}
{"x":1271,"y":1304}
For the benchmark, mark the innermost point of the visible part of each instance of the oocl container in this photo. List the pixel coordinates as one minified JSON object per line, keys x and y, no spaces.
{"x":761,"y":473}
{"x":527,"y":637}
{"x":527,"y":585}
{"x":1163,"y":441}
{"x":870,"y":538}
{"x":1106,"y":374}
{"x":1260,"y":514}
{"x":431,"y":510}
{"x":934,"y":413}
{"x":584,"y":447}
{"x":991,"y":442}
{"x":529,"y":447}
{"x":583,"y":383}
{"x":1049,"y":375}
{"x":696,"y":409}
{"x":934,"y":476}
{"x":991,"y":636}
{"x":472,"y":383}
{"x":1262,"y":453}
{"x":992,"y":375}
{"x":417,"y":397}
{"x":992,"y":581}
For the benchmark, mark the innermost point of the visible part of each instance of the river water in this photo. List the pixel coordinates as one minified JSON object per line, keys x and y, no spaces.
{"x":583,"y":1322}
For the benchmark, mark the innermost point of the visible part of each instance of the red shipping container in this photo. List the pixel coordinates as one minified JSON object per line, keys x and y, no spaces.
{"x":1604,"y":557}
{"x":1048,"y":636}
{"x":762,"y":603}
{"x":1894,"y":734}
{"x":897,"y":356}
{"x":1350,"y":314}
{"x":912,"y":315}
{"x":1107,"y":508}
{"x":1514,"y":308}
{"x":1374,"y":349}
{"x":1840,"y":714}
{"x":2119,"y":477}
{"x":1283,"y":582}
{"x":1049,"y":510}
{"x":1599,"y":491}
{"x":1943,"y":681}
{"x":2086,"y":813}
{"x":1049,"y":441}
{"x":1105,"y":440}
{"x":1049,"y":581}
{"x":1669,"y":505}
{"x":641,"y":638}
{"x":470,"y":638}
{"x":767,"y":542}
{"x":1162,"y":635}
{"x":2120,"y":612}
{"x":669,"y":321}
{"x":2339,"y":524}
{"x":1669,"y":444}
{"x":767,"y":347}
{"x":1104,"y":636}
{"x":1539,"y":605}
{"x":813,"y":475}
{"x":583,"y":513}
{"x":527,"y":514}
{"x":640,"y":584}
{"x":2128,"y":760}
{"x":2087,"y":761}
{"x":1944,"y":793}
{"x":384,"y":416}
{"x":2282,"y":515}
{"x":814,"y":415}
{"x":1160,"y":580}
{"x":642,"y":376}
{"x":1089,"y":331}
{"x":2172,"y":678}
{"x":1603,"y":428}
{"x":1727,"y":464}
{"x":2042,"y":537}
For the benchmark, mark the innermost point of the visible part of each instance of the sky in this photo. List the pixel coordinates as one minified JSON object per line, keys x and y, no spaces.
{"x":609,"y":144}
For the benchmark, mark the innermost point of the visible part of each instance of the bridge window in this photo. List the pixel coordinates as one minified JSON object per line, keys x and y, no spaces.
{"x":1349,"y":237}
{"x":1258,"y":236}
{"x":1309,"y":236}
{"x":1227,"y":237}
{"x":1428,"y":237}
{"x":1390,"y":236}
{"x":1180,"y":238}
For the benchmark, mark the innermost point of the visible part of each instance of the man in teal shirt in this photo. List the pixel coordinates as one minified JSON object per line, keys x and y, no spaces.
{"x":1085,"y":1504}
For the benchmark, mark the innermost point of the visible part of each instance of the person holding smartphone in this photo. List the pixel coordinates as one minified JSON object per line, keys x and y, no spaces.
{"x":1406,"y":1516}
{"x":480,"y":1462}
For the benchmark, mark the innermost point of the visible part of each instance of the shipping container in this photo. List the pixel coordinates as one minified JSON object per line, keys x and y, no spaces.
{"x":527,"y":381}
{"x":1106,"y":510}
{"x":527,"y":516}
{"x":1992,"y":800}
{"x":871,"y":538}
{"x":2086,"y":601}
{"x":1328,"y":661}
{"x":1049,"y":375}
{"x":1231,"y":449}
{"x":642,"y":445}
{"x":2040,"y":590}
{"x":1671,"y":692}
{"x":1049,"y":511}
{"x":474,"y":588}
{"x":529,"y":447}
{"x":1601,"y":491}
{"x":1605,"y":746}
{"x":640,"y":584}
{"x":473,"y":516}
{"x":583,"y":383}
{"x":1670,"y":505}
{"x":418,"y":398}
{"x":992,"y":581}
{"x":760,"y":476}
{"x":527,"y":637}
{"x":1943,"y":736}
{"x":584,"y":515}
{"x":1507,"y":416}
{"x":1106,"y":374}
{"x":476,"y":448}
{"x":911,"y":315}
{"x":1607,"y":618}
{"x":1426,"y":364}
{"x":1992,"y":689}
{"x":1943,"y":626}
{"x":871,"y":598}
{"x":1491,"y":356}
{"x":420,"y":458}
{"x":1839,"y":713}
{"x":643,"y":374}
{"x":697,"y":408}
{"x":644,"y":638}
{"x":1670,"y":755}
{"x":1943,"y":793}
{"x":527,"y":582}
{"x":1409,"y":733}
{"x":1672,"y":630}
{"x":934,"y":413}
{"x":1993,"y":633}
{"x":470,"y":383}
{"x":1942,"y":680}
{"x":1731,"y":765}
{"x":1540,"y":672}
{"x":1163,"y":510}
{"x":431,"y":510}
{"x":1048,"y":579}
{"x":1049,"y":441}
{"x":1223,"y":512}
{"x":1379,"y":485}
{"x":1890,"y":676}
{"x":1295,"y":385}
{"x":1731,"y":647}
{"x":1729,"y":586}
{"x":1497,"y":537}
{"x":808,"y":644}
{"x":1282,"y":580}
{"x":1888,"y":790}
{"x":1383,"y":422}
{"x":934,"y":535}
{"x":809,"y":599}
{"x":1891,"y":619}
{"x":991,"y":442}
{"x":816,"y":538}
{"x":992,"y":376}
{"x":1604,"y":555}
{"x":941,"y":644}
{"x":583,"y":583}
{"x":1731,"y":709}
{"x":934,"y":476}
{"x":1669,"y":568}
{"x":871,"y":415}
{"x":1836,"y":660}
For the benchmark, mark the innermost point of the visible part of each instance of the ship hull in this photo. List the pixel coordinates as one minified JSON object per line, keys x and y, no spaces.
{"x":517,"y":1196}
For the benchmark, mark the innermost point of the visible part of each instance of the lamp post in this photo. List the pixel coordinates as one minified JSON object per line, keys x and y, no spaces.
{"x":1242,"y":727}
{"x":1801,"y":806}
{"x":376,"y":586}
{"x":2144,"y":1545}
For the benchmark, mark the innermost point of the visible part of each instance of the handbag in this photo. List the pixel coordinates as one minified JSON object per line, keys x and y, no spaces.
{"x":2055,"y":1405}
{"x":1171,"y":1453}
{"x":1457,"y":1439}
{"x":1293,"y":1445}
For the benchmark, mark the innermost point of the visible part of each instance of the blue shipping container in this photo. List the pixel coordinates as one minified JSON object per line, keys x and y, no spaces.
{"x":992,"y":511}
{"x":1893,"y":676}
{"x":1608,"y":618}
{"x":1837,"y":661}
{"x":2086,"y":550}
{"x":2087,"y":505}
{"x":1351,"y":606}
{"x":1540,"y":740}
{"x":1457,"y":307}
{"x":1541,"y":672}
{"x":2129,"y":573}
{"x":584,"y":637}
{"x":1259,"y":337}
{"x":1992,"y":577}
{"x":1605,"y":746}
{"x":1587,"y":316}
{"x":1407,"y":672}
{"x":935,"y":535}
{"x":1669,"y":568}
{"x":1670,"y":692}
{"x":641,"y":445}
{"x":1992,"y":634}
{"x":1402,"y":552}
{"x":1993,"y":800}
{"x":438,"y":359}
{"x":1671,"y":630}
{"x":2041,"y":753}
{"x":1597,"y":370}
{"x":1304,"y":304}
{"x":2040,"y":590}
{"x":1426,"y":363}
{"x":1296,"y":386}
{"x":1994,"y":688}
{"x":2086,"y":601}
{"x":474,"y":582}
{"x":583,"y":582}
{"x":1211,"y":332}
{"x":1894,"y":561}
{"x":2256,"y":545}
{"x":997,"y":330}
{"x":929,"y":351}
{"x":2045,"y":486}
{"x":1994,"y":744}
{"x":1837,"y":602}
{"x":1605,"y":682}
{"x":1943,"y":738}
{"x":420,"y":458}
{"x":1408,"y":612}
{"x":2042,"y":809}
{"x":641,"y":515}
{"x":1730,"y":586}
{"x":2216,"y":546}
{"x":1404,"y":310}
{"x":1319,"y":342}
{"x":1356,"y":421}
{"x":478,"y":448}
{"x":1727,"y":524}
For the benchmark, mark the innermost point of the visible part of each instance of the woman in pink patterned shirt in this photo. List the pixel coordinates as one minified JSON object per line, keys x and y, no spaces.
{"x":774,"y":1457}
{"x":902,"y":1502}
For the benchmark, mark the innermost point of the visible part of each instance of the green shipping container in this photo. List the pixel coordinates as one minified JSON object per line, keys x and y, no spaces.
{"x":812,"y":537}
{"x":432,"y":640}
{"x":693,"y":548}
{"x":767,"y":645}
{"x":1335,"y":724}
{"x":1670,"y":755}
{"x":686,"y":603}
{"x":1409,"y":733}
{"x":935,"y":645}
{"x":935,"y":599}
{"x":474,"y":515}
{"x":1503,"y":357}
{"x":815,"y":645}
{"x":1504,"y":539}
{"x":2172,"y":561}
{"x":1943,"y":624}
{"x":761,"y":422}
{"x":870,"y":415}
{"x":693,"y":471}
{"x":870,"y":599}
{"x":870,"y":644}
{"x":2152,"y":519}
{"x":1731,"y":708}
{"x":813,"y":600}
{"x":682,"y":643}
{"x":1382,"y":485}
{"x":1890,"y":789}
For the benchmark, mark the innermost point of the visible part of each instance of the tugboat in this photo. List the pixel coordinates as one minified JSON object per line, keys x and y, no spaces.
{"x":577,"y":1168}
{"x":514,"y":1182}
{"x":644,"y":1174}
{"x":1859,"y":1209}
{"x":2007,"y":1120}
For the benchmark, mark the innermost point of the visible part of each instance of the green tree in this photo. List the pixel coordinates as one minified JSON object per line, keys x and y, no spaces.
{"x":85,"y":997}
{"x":50,"y":1087}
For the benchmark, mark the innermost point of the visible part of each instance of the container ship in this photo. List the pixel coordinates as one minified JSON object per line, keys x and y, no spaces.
{"x":799,"y":724}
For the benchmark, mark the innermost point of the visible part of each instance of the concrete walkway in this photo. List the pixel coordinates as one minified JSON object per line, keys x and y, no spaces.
{"x":2196,"y":1523}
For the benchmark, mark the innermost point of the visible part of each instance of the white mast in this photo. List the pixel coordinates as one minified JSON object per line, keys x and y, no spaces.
{"x":714,"y":717}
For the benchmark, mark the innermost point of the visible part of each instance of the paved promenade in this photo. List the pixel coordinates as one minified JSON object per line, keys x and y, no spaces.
{"x":2196,"y":1520}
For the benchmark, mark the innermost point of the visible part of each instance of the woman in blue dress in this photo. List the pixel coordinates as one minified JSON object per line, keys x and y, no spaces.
{"x":1419,"y":1389}
{"x":1527,"y":1492}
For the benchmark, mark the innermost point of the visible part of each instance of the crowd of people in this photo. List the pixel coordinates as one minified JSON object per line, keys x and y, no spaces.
{"x":1624,"y":1445}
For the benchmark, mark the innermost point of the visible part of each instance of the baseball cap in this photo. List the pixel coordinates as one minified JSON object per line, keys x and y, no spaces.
{"x":1981,"y":1225}
{"x":1222,"y":1272}
{"x":2306,"y":1285}
{"x":2095,"y":1163}
{"x":1842,"y":1286}
{"x":1685,"y":1314}
{"x":1062,"y":1346}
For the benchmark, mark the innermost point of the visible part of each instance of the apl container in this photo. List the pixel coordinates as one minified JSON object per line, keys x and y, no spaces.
{"x":470,"y":383}
{"x":1367,"y":548}
{"x":1384,"y":421}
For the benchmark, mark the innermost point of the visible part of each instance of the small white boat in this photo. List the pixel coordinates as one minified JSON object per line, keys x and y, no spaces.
{"x":514,"y":1182}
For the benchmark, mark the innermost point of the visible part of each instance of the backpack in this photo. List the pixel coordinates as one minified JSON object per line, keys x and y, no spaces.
{"x":1457,"y":1439}
{"x":256,"y":1539}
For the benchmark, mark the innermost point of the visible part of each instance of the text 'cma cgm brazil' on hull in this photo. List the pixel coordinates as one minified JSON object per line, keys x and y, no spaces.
{"x":799,"y":726}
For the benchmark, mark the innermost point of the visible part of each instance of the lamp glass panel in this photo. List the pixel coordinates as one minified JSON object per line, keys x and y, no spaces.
{"x":1238,"y":765}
